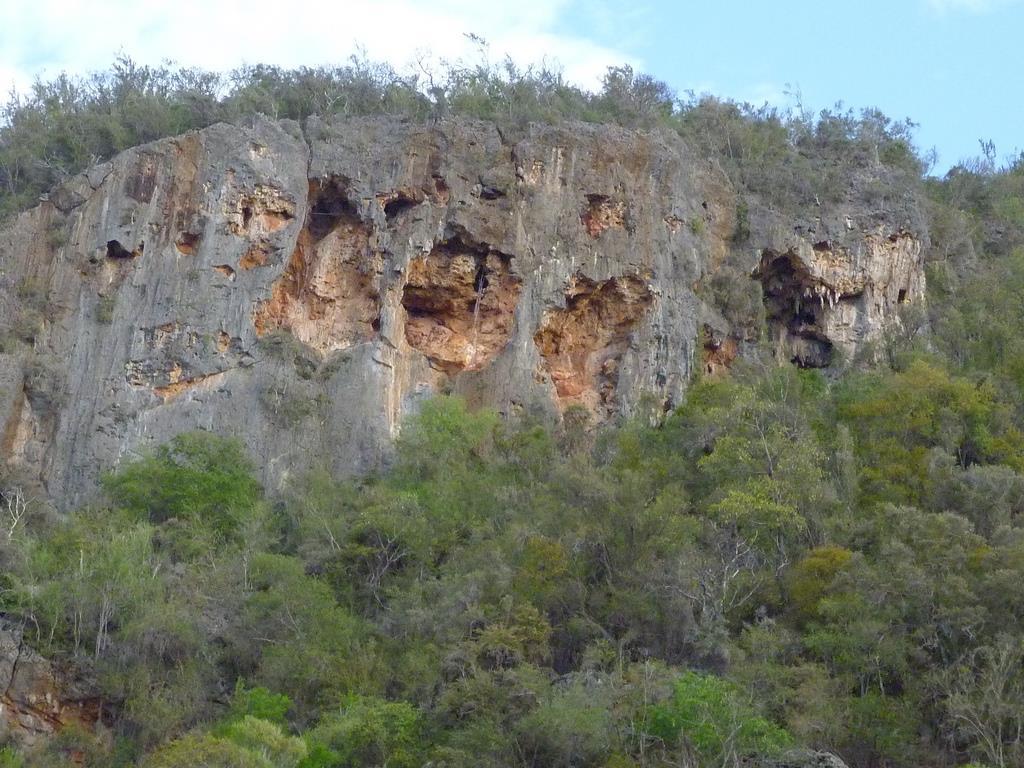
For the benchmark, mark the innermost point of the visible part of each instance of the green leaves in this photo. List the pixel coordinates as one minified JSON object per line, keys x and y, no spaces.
{"x":198,"y":478}
{"x":753,"y":509}
{"x":368,"y":732}
{"x":246,"y":743}
{"x":811,"y":579}
{"x":260,"y":703}
{"x":713,"y":718}
{"x":981,"y":700}
{"x":296,"y":639}
{"x":498,"y":600}
{"x":897,"y":418}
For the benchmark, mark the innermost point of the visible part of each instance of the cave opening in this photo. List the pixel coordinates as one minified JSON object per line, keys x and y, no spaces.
{"x":329,"y":206}
{"x":809,"y":352}
{"x":794,"y":310}
{"x":117,"y":251}
{"x":490,"y":192}
{"x":327,"y":296}
{"x":602,"y":213}
{"x":398,"y":205}
{"x":187,"y":243}
{"x":582,"y":346}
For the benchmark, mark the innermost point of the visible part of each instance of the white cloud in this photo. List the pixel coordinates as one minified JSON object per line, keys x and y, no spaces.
{"x":48,"y":36}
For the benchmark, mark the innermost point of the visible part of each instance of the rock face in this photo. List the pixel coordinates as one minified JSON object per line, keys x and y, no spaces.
{"x":304,"y":289}
{"x":37,"y":699}
{"x":826,"y":297}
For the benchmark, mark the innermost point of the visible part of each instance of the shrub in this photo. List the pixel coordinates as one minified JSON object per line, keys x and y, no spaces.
{"x":285,"y":407}
{"x":45,"y":377}
{"x":712,"y":716}
{"x":56,"y":234}
{"x":248,"y":743}
{"x":260,"y":703}
{"x":810,"y":579}
{"x":368,"y":731}
{"x":32,"y":292}
{"x":792,"y":156}
{"x":197,"y":477}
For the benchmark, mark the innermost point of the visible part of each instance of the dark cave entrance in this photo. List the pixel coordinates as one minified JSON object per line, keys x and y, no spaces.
{"x":794,"y":310}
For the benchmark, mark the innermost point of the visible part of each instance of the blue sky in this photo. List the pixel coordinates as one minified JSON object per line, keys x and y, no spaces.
{"x":956,"y":67}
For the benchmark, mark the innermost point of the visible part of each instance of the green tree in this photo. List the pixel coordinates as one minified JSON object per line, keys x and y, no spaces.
{"x":368,"y":732}
{"x":710,"y":716}
{"x":198,"y":477}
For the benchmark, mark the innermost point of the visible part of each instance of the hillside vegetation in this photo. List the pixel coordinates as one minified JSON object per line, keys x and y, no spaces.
{"x":787,"y":560}
{"x":67,"y":124}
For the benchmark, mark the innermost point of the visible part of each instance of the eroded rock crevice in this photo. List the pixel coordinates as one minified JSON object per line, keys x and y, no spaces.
{"x":259,"y":212}
{"x":187,"y":243}
{"x":327,"y":297}
{"x":205,"y":381}
{"x":22,"y":426}
{"x":582,"y":345}
{"x":117,"y":251}
{"x":256,"y":216}
{"x":140,"y":182}
{"x":39,"y":698}
{"x":398,"y":201}
{"x":718,"y":352}
{"x":168,"y":379}
{"x":170,"y":363}
{"x":460,"y":302}
{"x":602,"y":213}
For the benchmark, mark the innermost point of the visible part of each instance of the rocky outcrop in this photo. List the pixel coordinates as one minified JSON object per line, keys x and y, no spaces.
{"x":825,"y":297}
{"x":326,"y":297}
{"x":304,"y":289}
{"x":36,"y":698}
{"x":460,"y":301}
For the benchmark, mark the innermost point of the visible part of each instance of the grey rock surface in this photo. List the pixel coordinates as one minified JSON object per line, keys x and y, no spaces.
{"x":305,"y":289}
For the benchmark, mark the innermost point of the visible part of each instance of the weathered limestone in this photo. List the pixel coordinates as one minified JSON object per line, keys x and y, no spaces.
{"x":825,"y":297}
{"x":304,"y":290}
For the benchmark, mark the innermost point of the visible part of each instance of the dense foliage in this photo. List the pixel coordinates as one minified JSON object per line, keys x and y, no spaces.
{"x":783,"y":562}
{"x":788,"y":560}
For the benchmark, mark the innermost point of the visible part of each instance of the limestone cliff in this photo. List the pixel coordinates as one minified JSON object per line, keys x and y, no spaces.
{"x":304,"y":289}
